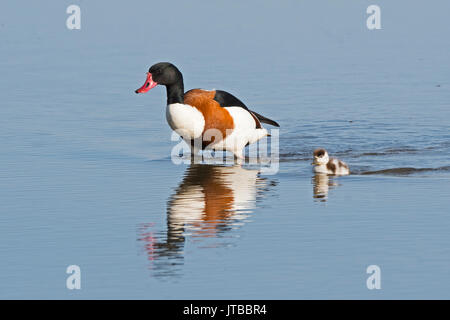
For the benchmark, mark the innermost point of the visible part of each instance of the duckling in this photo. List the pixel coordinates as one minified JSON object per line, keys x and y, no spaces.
{"x":324,"y":164}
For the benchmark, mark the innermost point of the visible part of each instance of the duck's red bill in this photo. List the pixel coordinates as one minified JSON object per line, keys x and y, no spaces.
{"x":149,"y":83}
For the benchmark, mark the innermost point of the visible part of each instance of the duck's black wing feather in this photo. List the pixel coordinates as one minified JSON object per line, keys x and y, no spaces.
{"x":265,"y":120}
{"x":226,"y":99}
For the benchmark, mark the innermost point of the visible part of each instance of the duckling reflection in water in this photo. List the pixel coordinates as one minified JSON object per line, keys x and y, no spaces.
{"x":209,"y":201}
{"x":322,"y":183}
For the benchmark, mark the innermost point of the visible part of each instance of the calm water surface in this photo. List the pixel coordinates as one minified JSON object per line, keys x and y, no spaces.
{"x":86,"y":176}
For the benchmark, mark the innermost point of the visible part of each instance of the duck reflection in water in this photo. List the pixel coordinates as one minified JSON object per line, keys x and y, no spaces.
{"x":322,"y":183}
{"x":209,"y":201}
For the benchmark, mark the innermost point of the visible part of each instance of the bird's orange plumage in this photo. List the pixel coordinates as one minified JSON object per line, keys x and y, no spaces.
{"x":215,"y":116}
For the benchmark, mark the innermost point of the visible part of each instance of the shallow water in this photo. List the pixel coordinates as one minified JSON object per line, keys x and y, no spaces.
{"x":86,"y":176}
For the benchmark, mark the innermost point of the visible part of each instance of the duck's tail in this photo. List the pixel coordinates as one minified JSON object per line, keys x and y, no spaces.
{"x":265,"y":120}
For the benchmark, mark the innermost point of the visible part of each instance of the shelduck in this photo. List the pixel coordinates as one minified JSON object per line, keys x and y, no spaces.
{"x":324,"y":164}
{"x":212,"y":119}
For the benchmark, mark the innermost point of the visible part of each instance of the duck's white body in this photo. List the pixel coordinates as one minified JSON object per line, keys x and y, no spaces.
{"x":189,"y":122}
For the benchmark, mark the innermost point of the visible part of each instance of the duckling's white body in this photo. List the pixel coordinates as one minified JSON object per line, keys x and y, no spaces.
{"x":333,"y":166}
{"x":323,"y":164}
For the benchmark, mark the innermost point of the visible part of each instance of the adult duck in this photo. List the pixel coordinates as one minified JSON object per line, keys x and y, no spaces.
{"x":212,"y":119}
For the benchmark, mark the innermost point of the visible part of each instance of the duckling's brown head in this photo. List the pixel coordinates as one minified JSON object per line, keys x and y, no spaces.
{"x":320,"y":157}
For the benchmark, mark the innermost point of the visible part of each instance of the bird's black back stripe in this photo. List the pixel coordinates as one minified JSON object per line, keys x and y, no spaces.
{"x":226,"y":99}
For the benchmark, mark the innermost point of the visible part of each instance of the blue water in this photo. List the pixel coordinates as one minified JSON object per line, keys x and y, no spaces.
{"x":86,"y":176}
